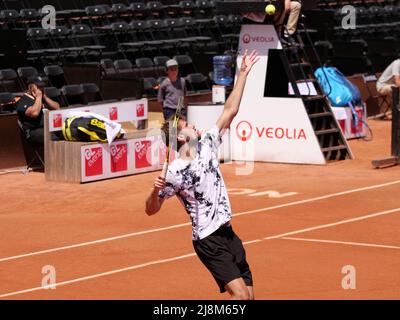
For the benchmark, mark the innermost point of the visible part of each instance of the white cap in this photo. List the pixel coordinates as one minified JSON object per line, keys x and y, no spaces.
{"x":171,"y":63}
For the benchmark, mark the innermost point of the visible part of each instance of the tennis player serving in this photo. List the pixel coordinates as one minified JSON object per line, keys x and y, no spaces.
{"x":195,"y":178}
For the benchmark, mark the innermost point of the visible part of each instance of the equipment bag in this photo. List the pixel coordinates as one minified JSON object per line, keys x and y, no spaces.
{"x":340,"y":91}
{"x":85,"y":129}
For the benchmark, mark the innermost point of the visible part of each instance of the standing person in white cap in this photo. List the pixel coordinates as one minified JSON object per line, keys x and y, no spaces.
{"x":171,"y":89}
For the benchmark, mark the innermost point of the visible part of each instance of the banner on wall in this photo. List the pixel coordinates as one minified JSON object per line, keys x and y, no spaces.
{"x":270,"y":129}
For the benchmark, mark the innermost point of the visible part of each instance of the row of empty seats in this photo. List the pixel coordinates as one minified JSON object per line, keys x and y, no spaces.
{"x":138,"y":10}
{"x":369,"y":46}
{"x":137,"y":38}
{"x":330,"y":4}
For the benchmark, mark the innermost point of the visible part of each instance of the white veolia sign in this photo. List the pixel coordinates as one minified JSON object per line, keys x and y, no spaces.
{"x":270,"y":129}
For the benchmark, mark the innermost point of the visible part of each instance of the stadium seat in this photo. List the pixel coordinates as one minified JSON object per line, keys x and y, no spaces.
{"x":85,"y":38}
{"x":376,"y":102}
{"x":8,"y":18}
{"x":138,"y":9}
{"x":26,"y":74}
{"x":56,"y":76}
{"x":155,"y":8}
{"x":160,"y":60}
{"x":119,"y":8}
{"x":107,"y":66}
{"x":91,"y":92}
{"x":204,"y":9}
{"x":186,"y":65}
{"x":29,"y":17}
{"x":55,"y":94}
{"x":197,"y":82}
{"x":144,"y":63}
{"x":9,"y":81}
{"x":123,"y":65}
{"x":73,"y":94}
{"x":186,"y":7}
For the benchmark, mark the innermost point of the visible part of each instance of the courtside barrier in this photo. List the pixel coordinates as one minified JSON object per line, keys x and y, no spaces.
{"x":70,"y":161}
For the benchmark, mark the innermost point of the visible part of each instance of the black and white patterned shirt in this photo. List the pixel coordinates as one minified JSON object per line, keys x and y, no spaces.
{"x":199,"y":185}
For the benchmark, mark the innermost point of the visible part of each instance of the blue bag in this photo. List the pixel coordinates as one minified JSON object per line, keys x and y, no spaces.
{"x":340,"y":91}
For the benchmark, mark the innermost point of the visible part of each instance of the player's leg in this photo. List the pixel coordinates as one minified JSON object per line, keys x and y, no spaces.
{"x":238,"y":289}
{"x":251,"y":292}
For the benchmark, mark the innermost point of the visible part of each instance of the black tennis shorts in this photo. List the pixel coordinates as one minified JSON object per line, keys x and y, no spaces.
{"x":223,"y":254}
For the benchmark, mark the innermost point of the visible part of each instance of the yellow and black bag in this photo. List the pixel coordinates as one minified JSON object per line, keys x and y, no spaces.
{"x":85,"y":129}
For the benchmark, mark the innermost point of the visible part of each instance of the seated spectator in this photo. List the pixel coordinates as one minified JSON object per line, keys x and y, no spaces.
{"x":291,"y":25}
{"x":389,"y":78}
{"x":30,"y":111}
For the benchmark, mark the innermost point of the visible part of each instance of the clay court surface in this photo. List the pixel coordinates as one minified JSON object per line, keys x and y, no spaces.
{"x":103,"y":245}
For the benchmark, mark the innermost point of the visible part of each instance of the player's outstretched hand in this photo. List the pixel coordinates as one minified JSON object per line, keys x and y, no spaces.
{"x":159,"y":183}
{"x":248,"y":61}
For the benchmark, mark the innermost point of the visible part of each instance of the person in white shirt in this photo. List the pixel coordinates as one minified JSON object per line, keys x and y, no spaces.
{"x":389,"y":78}
{"x":195,"y":178}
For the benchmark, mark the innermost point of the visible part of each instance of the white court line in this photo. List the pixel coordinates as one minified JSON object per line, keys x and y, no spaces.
{"x":344,"y":242}
{"x":100,"y":275}
{"x":189,"y":255}
{"x":187,"y":224}
{"x":333,"y":224}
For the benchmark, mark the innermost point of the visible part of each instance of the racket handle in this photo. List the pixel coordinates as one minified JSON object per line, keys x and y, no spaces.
{"x":164,"y":169}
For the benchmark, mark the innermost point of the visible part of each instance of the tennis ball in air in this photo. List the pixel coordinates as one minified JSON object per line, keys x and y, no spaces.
{"x":270,"y":9}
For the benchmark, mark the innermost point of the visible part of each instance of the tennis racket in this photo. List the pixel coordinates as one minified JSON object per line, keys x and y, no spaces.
{"x":173,"y":130}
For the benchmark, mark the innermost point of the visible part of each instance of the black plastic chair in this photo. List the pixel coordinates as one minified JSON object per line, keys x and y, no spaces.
{"x":147,"y":69}
{"x":160,"y":61}
{"x":91,"y":92}
{"x":29,"y":17}
{"x":119,"y":8}
{"x":123,"y":65}
{"x":107,"y":66}
{"x":138,"y":9}
{"x":85,"y":38}
{"x":186,"y":65}
{"x":55,"y":94}
{"x":73,"y":94}
{"x":186,"y":7}
{"x":26,"y":74}
{"x":155,"y":8}
{"x":198,"y":82}
{"x":10,"y":81}
{"x":9,"y":18}
{"x":34,"y":151}
{"x":56,"y":76}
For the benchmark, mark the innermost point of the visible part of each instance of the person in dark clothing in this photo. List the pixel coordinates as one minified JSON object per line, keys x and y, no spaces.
{"x":30,"y":111}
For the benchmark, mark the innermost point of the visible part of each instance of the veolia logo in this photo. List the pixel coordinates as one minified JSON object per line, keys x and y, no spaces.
{"x":244,"y":130}
{"x":246,"y":38}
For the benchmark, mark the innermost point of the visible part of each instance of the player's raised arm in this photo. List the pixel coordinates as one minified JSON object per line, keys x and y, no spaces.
{"x":232,"y":104}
